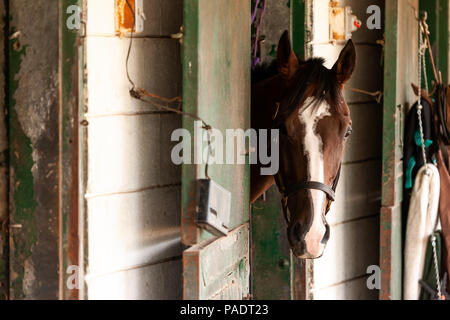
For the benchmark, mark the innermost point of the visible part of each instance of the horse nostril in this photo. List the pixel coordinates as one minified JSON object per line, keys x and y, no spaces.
{"x":295,"y":232}
{"x":326,"y":236}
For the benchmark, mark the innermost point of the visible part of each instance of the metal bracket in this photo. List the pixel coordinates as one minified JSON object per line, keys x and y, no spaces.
{"x":342,"y":22}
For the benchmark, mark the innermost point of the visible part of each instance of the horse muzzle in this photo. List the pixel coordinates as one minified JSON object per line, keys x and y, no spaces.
{"x":308,"y":244}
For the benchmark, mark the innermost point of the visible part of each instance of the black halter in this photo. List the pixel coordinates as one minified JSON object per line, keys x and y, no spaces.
{"x":306,"y":185}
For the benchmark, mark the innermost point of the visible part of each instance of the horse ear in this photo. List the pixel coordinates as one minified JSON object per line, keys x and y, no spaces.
{"x":345,"y":65}
{"x":287,"y":60}
{"x":423,"y":93}
{"x":415,"y":89}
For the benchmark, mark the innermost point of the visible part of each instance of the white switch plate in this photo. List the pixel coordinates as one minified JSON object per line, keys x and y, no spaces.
{"x":342,"y":22}
{"x":139,"y":16}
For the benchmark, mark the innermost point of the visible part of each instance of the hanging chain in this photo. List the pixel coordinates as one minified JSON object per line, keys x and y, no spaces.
{"x":422,"y":65}
{"x":419,"y":104}
{"x":425,"y":76}
{"x":436,"y":267}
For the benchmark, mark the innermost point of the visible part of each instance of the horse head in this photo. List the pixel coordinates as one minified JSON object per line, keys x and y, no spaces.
{"x":314,"y":123}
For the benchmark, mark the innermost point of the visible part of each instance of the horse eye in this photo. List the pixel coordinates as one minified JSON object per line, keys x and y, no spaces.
{"x":348,"y":133}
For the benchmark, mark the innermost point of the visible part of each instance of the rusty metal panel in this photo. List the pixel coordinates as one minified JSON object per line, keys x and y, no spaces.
{"x":124,"y":16}
{"x":218,"y":269}
{"x":125,"y":21}
{"x":216,"y":87}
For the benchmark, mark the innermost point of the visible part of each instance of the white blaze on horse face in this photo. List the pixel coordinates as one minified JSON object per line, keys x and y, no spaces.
{"x":309,"y":115}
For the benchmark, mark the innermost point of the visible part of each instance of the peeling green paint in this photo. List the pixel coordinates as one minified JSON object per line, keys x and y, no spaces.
{"x":270,"y":250}
{"x":42,"y":98}
{"x":215,"y":51}
{"x":22,"y":183}
{"x":216,"y":87}
{"x":70,"y":69}
{"x":298,"y":27}
{"x":4,"y":233}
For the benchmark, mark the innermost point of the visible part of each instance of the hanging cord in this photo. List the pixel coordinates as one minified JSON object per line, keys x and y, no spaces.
{"x":131,"y":44}
{"x":378,"y":95}
{"x":140,"y":93}
{"x":425,"y":76}
{"x":255,"y":10}
{"x":255,"y":46}
{"x":427,"y":44}
{"x":422,"y":50}
{"x":421,"y":60}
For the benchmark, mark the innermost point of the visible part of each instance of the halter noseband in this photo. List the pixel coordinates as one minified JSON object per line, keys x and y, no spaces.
{"x":306,"y":185}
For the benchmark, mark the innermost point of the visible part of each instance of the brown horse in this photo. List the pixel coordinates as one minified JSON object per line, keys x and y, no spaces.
{"x":303,"y":99}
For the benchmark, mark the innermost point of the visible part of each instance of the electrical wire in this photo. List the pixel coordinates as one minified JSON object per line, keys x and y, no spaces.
{"x":140,"y":93}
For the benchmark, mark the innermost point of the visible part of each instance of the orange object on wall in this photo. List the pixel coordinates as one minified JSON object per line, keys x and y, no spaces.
{"x":125,"y":19}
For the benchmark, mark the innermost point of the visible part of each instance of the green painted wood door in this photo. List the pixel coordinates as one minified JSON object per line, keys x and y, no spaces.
{"x":438,"y":24}
{"x":401,"y":43}
{"x":216,"y":87}
{"x":271,"y":255}
{"x":400,"y":69}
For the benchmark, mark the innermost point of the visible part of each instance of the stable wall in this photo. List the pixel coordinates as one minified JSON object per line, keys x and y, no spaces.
{"x":133,"y":190}
{"x":4,"y":212}
{"x":33,"y":112}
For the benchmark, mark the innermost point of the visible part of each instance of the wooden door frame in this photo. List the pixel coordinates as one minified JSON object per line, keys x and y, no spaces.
{"x":222,"y":99}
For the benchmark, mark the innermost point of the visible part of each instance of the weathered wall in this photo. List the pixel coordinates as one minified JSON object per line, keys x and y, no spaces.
{"x":4,"y":212}
{"x":354,"y":218}
{"x":33,"y":112}
{"x":276,"y":20}
{"x":133,"y":189}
